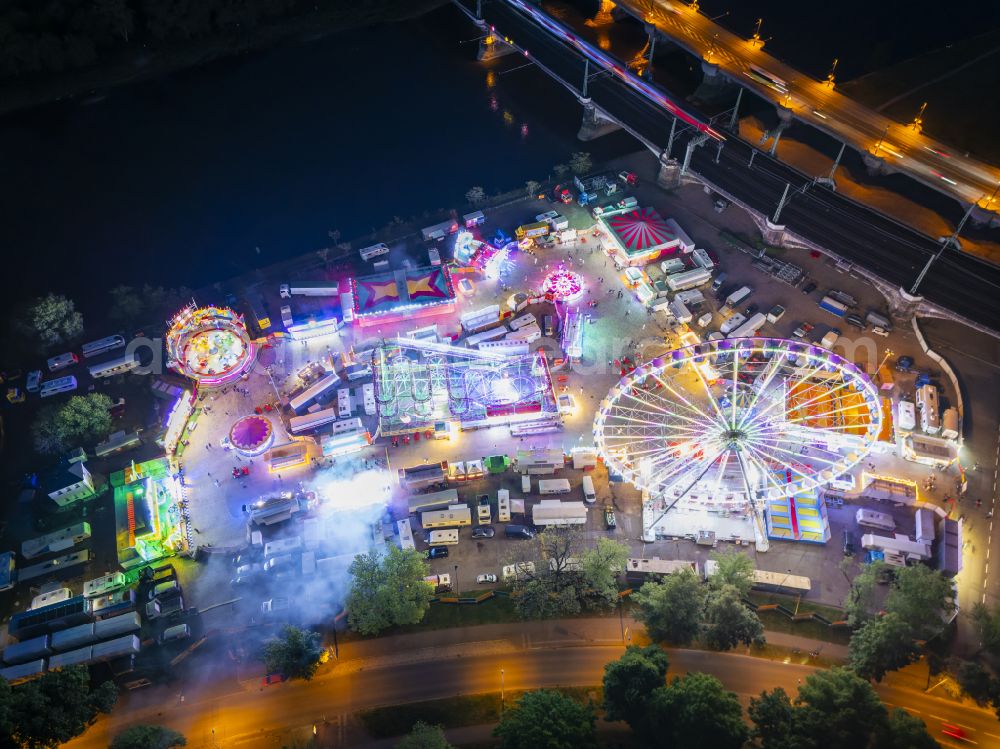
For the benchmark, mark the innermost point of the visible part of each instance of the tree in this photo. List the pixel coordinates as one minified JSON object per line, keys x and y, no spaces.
{"x":836,"y":709}
{"x":555,"y":586}
{"x":629,"y":681}
{"x":546,"y":719}
{"x":296,"y":653}
{"x":773,"y":717}
{"x":532,"y":187}
{"x":920,"y":597}
{"x":561,"y":170}
{"x":127,"y":304}
{"x":729,"y":621}
{"x":423,"y":736}
{"x":580,"y":163}
{"x":904,"y":731}
{"x":51,"y":710}
{"x":860,"y":599}
{"x":601,"y":566}
{"x":694,"y":710}
{"x":987,"y":621}
{"x":671,"y":609}
{"x":733,"y":568}
{"x":977,"y":682}
{"x":387,"y":590}
{"x":881,"y":645}
{"x":475,"y":195}
{"x":148,"y":737}
{"x":51,"y":321}
{"x":83,"y":419}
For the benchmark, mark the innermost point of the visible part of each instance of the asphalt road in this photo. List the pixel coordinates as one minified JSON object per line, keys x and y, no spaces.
{"x":821,"y":105}
{"x":959,"y":282}
{"x":227,"y":717}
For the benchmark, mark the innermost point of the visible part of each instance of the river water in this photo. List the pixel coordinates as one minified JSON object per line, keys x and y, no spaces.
{"x":200,"y":175}
{"x":203,"y":174}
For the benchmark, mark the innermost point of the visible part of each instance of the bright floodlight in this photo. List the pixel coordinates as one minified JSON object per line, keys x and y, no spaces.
{"x":722,"y":423}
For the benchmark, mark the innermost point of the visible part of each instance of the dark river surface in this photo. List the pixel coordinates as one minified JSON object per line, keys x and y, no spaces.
{"x":200,"y":175}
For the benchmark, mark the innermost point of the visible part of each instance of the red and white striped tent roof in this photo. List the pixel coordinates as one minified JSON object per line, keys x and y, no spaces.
{"x":642,"y":231}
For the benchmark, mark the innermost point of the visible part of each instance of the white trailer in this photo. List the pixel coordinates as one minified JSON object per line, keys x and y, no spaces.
{"x":453,"y":516}
{"x":447,"y":537}
{"x":688,"y":279}
{"x":898,"y":548}
{"x":906,"y":416}
{"x":680,"y":311}
{"x":949,"y":423}
{"x":732,"y":324}
{"x":503,"y":506}
{"x":750,"y":327}
{"x":553,"y":486}
{"x":740,"y":295}
{"x":555,"y":512}
{"x":873,"y":519}
{"x":702,"y":259}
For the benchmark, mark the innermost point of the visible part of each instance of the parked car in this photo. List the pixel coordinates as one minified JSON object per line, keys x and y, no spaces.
{"x":809,"y":288}
{"x":483,"y":531}
{"x":609,"y":519}
{"x":565,"y":403}
{"x":437,"y":552}
{"x":803,"y":330}
{"x":856,"y":321}
{"x":486,"y":578}
{"x":34,"y":381}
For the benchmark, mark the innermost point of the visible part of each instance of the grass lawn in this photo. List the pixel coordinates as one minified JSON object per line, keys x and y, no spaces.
{"x":453,"y":712}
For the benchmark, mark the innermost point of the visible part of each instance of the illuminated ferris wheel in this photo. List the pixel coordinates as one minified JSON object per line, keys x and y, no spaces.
{"x":737,"y":422}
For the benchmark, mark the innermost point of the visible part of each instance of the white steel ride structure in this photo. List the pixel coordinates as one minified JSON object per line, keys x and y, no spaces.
{"x":726,"y":425}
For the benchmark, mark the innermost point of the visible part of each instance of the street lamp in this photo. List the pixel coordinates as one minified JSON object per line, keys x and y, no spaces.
{"x":501,"y":691}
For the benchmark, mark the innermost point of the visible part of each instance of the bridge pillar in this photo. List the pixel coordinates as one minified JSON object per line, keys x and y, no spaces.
{"x":714,"y":85}
{"x":773,"y":234}
{"x":903,"y":306}
{"x":491,"y":46}
{"x":595,"y":122}
{"x":669,"y":176}
{"x":620,"y":14}
{"x":875,"y":165}
{"x":983,"y":217}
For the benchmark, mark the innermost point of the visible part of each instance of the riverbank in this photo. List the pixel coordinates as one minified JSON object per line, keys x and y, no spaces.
{"x":145,"y":62}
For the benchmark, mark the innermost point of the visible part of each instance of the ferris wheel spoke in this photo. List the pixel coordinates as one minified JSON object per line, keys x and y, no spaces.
{"x":687,"y":403}
{"x":774,"y":365}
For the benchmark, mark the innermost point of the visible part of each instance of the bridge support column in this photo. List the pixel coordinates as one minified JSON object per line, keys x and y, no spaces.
{"x":773,"y":234}
{"x":492,"y":46}
{"x":714,"y":85}
{"x":784,"y":120}
{"x":595,"y":123}
{"x":876,"y":166}
{"x":669,"y":176}
{"x":903,"y":306}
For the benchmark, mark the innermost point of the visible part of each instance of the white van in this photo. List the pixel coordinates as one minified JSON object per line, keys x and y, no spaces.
{"x":176,"y":632}
{"x":282,"y":546}
{"x":589,"y":495}
{"x":526,"y":484}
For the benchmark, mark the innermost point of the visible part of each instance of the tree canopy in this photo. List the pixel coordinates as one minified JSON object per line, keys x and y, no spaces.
{"x":601,"y":567}
{"x":881,"y":645}
{"x":52,"y":709}
{"x":148,"y":737}
{"x":580,"y":163}
{"x":630,"y":680}
{"x":387,"y":590}
{"x":733,"y":568}
{"x":694,"y":711}
{"x":50,"y":321}
{"x":835,"y":709}
{"x":423,"y":736}
{"x":82,"y":420}
{"x":296,"y":653}
{"x":987,"y":621}
{"x":729,"y":621}
{"x":671,"y":608}
{"x":546,"y":719}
